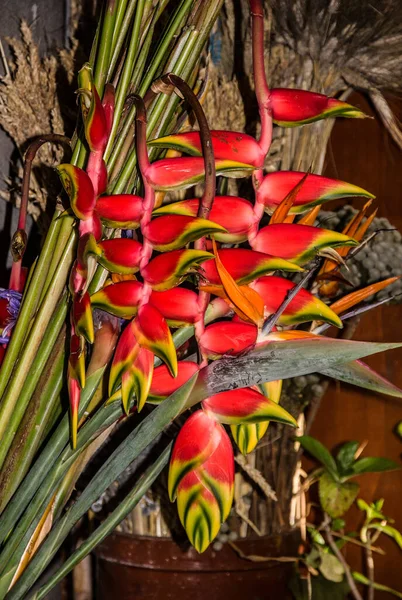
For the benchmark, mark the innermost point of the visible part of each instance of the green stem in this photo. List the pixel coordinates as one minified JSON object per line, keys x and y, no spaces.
{"x":34,"y":424}
{"x":125,"y":78}
{"x":29,"y":305}
{"x":110,"y":523}
{"x":11,"y":409}
{"x":105,"y":44}
{"x":118,"y":42}
{"x":18,"y":399}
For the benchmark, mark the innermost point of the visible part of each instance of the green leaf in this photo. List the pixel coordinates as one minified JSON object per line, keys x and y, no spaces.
{"x":373,"y":465}
{"x":346,"y":456}
{"x":322,"y":589}
{"x":399,"y":429}
{"x":319,"y":452}
{"x":371,"y":510}
{"x":335,"y":497}
{"x":360,"y":578}
{"x":331,"y":568}
{"x":316,"y":536}
{"x":338,"y":524}
{"x":360,"y":374}
{"x":388,"y":530}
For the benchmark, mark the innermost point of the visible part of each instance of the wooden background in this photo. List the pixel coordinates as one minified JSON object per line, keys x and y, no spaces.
{"x":363,"y":153}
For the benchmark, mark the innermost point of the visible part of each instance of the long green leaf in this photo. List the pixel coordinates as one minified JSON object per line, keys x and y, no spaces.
{"x":360,"y":374}
{"x":276,"y":360}
{"x":319,"y":452}
{"x":360,"y":578}
{"x":375,"y":464}
{"x":110,"y":523}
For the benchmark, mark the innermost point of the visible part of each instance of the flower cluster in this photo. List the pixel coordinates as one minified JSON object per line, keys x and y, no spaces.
{"x":174,"y":273}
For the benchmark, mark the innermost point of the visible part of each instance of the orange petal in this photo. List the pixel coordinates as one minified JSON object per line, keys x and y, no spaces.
{"x":359,"y":295}
{"x":251,"y":307}
{"x":282,"y":210}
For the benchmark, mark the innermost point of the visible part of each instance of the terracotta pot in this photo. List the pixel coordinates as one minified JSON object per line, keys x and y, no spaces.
{"x":135,"y":568}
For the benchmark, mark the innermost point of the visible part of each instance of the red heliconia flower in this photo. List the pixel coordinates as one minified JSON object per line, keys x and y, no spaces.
{"x":120,"y":299}
{"x":169,"y":269}
{"x":136,"y":380}
{"x":126,"y":352}
{"x":178,"y":173}
{"x":247,"y":435}
{"x":179,"y":306}
{"x":302,"y":308}
{"x":315,"y":190}
{"x":75,"y":380}
{"x":96,"y":124}
{"x":292,"y":107}
{"x":235,"y":214}
{"x":227,"y":337}
{"x":121,"y":255}
{"x":298,"y":243}
{"x":152,"y":333}
{"x":171,"y":232}
{"x":163,"y":384}
{"x":122,"y":211}
{"x":228,"y":145}
{"x":245,"y":265}
{"x":245,"y":405}
{"x":82,"y":317}
{"x":201,"y":477}
{"x":79,"y":189}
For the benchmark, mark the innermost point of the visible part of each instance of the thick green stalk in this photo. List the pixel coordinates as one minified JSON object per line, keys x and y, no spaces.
{"x":29,"y":305}
{"x":45,"y":461}
{"x":119,"y":40}
{"x":19,"y":398}
{"x":121,"y":91}
{"x":19,"y":538}
{"x":11,"y":410}
{"x":110,"y":523}
{"x":155,"y":114}
{"x":155,"y":65}
{"x":32,"y":429}
{"x":105,"y":44}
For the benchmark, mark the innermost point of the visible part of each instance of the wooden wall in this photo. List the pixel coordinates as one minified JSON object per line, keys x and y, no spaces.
{"x":363,"y":153}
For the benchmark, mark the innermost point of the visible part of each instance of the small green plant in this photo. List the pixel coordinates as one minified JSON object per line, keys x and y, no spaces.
{"x":322,"y":570}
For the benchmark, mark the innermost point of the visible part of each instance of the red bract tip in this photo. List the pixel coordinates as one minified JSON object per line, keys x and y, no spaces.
{"x":234,"y":214}
{"x":178,"y":173}
{"x":246,"y":265}
{"x":315,"y":190}
{"x":292,"y":107}
{"x":120,"y":299}
{"x":298,"y":243}
{"x":179,"y":306}
{"x":122,"y":211}
{"x":163,"y":384}
{"x":79,"y":189}
{"x":227,"y":337}
{"x":227,"y":145}
{"x":168,"y":270}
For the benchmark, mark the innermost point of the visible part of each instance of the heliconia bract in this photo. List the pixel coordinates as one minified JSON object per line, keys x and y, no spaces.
{"x":179,"y":173}
{"x":171,"y":232}
{"x":303,"y":242}
{"x":292,"y":107}
{"x":79,"y":189}
{"x":120,"y":299}
{"x":163,"y":384}
{"x":228,"y":337}
{"x":201,"y":478}
{"x":245,"y":405}
{"x":168,"y":270}
{"x":235,"y":214}
{"x":302,"y":308}
{"x":122,"y":211}
{"x":246,"y":265}
{"x":228,"y":145}
{"x":315,"y":190}
{"x":247,"y":435}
